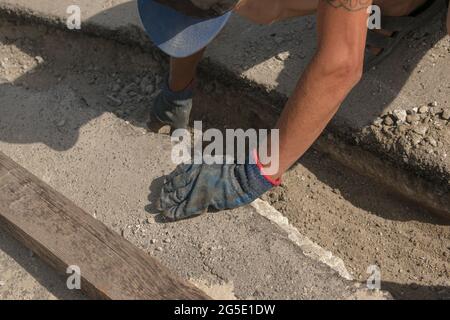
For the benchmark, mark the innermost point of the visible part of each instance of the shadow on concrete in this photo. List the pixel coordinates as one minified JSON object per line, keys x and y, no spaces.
{"x":152,"y":207}
{"x":416,"y":292}
{"x":43,"y":104}
{"x":367,"y":194}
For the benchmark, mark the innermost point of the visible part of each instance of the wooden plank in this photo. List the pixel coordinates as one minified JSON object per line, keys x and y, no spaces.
{"x":62,"y":234}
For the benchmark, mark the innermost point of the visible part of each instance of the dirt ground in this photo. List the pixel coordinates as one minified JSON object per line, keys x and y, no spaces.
{"x":346,"y":213}
{"x":365,"y":224}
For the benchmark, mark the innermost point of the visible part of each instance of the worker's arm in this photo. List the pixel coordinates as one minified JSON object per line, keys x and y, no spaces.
{"x":333,"y":72}
{"x":336,"y":67}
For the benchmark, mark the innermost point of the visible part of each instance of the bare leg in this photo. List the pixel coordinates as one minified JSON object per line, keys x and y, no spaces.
{"x":172,"y":106}
{"x":183,"y":70}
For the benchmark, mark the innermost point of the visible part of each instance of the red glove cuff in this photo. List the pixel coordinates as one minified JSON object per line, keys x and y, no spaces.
{"x":274,"y":182}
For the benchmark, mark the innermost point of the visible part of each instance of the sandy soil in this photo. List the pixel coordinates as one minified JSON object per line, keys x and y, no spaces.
{"x":365,"y":224}
{"x":355,"y":217}
{"x":344,"y":212}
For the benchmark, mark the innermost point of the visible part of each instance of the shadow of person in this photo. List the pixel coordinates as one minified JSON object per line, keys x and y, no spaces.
{"x":415,"y":291}
{"x":53,"y":82}
{"x":153,"y":198}
{"x":36,"y":107}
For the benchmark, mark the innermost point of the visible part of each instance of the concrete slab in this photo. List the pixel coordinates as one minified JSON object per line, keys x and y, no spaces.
{"x":56,"y":122}
{"x":269,"y":59}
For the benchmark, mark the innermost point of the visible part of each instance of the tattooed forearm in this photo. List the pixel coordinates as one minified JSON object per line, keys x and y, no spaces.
{"x":350,"y":5}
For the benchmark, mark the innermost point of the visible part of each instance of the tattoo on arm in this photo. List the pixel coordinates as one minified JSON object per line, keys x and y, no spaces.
{"x":350,"y":5}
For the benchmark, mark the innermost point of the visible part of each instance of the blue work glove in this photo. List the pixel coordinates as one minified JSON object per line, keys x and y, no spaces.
{"x":193,"y":188}
{"x":171,"y":108}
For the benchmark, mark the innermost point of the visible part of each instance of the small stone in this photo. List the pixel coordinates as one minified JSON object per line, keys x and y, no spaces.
{"x":209,"y":88}
{"x":388,"y":120}
{"x":435,"y":111}
{"x":114,"y":101}
{"x":434,"y":104}
{"x":400,"y":115}
{"x":283,"y":56}
{"x":402,"y":128}
{"x":153,"y":241}
{"x":130,"y":88}
{"x":159,"y":249}
{"x":167,"y":240}
{"x":415,"y":139}
{"x":423,"y":109}
{"x":61,"y":123}
{"x":2,"y":283}
{"x":446,"y":114}
{"x":411,"y":118}
{"x":116,"y":88}
{"x":149,"y":89}
{"x":39,"y":59}
{"x":432,"y":141}
{"x":386,"y":130}
{"x":278,"y":40}
{"x":422,"y":130}
{"x":378,"y":122}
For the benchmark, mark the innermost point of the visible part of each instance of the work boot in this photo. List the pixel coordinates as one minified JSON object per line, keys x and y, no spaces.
{"x":171,"y":109}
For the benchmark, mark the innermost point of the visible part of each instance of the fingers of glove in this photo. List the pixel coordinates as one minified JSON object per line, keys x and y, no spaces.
{"x":182,"y":211}
{"x":180,"y":169}
{"x":168,"y":200}
{"x":174,"y":196}
{"x":177,"y":182}
{"x":173,"y":212}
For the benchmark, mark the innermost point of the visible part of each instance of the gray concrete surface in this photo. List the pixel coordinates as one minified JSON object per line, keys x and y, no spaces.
{"x":57,"y":122}
{"x":269,"y":59}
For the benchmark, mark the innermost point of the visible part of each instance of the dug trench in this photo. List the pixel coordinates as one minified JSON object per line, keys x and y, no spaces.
{"x":358,"y":219}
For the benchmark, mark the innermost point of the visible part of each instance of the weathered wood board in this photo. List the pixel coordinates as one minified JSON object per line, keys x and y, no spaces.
{"x":62,"y":234}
